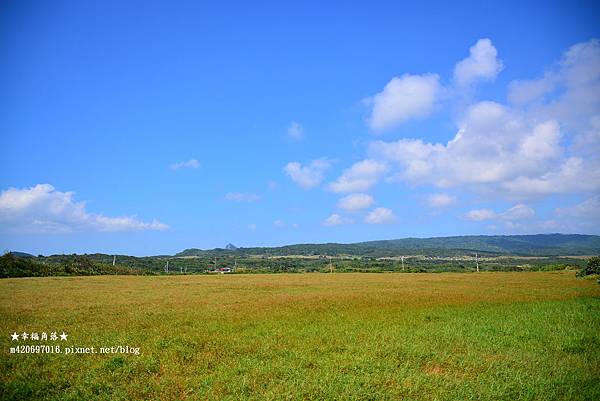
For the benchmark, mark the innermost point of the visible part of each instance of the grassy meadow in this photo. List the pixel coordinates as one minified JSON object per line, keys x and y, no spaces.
{"x":447,"y":336}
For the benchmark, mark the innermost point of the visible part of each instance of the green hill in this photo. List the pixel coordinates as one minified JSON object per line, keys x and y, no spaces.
{"x":522,"y":245}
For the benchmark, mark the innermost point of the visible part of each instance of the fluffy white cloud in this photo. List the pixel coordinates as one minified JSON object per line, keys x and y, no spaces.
{"x":440,"y":200}
{"x":360,"y":177}
{"x":482,"y":64}
{"x":403,"y":98}
{"x":412,"y":96}
{"x":295,"y":131}
{"x":251,"y":227}
{"x":380,"y":215}
{"x":356,"y":202}
{"x":44,"y":209}
{"x":279,"y":223}
{"x":517,"y":212}
{"x":495,"y":149}
{"x":544,"y":142}
{"x":242,"y":197}
{"x":308,"y":176}
{"x":336,"y":220}
{"x":192,"y":163}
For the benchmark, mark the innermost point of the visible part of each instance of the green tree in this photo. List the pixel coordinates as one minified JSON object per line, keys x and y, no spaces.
{"x":593,"y":266}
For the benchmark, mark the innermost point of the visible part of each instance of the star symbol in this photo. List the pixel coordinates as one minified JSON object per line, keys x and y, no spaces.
{"x":15,"y":336}
{"x":63,"y":336}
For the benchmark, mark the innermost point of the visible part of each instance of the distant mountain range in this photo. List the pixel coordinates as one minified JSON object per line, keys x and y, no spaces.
{"x":521,"y":245}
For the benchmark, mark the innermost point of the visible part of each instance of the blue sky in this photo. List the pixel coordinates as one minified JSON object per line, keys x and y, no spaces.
{"x":150,"y":127}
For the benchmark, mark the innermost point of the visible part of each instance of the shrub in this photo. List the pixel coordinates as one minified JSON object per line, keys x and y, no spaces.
{"x":592,"y":267}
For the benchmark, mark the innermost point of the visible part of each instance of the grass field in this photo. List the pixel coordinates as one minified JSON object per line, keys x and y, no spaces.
{"x":487,"y":336}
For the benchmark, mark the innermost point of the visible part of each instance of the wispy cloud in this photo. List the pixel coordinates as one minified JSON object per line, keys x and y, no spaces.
{"x":192,"y":164}
{"x":242,"y":197}
{"x":586,"y":211}
{"x":517,"y":212}
{"x":440,"y":200}
{"x":295,"y":131}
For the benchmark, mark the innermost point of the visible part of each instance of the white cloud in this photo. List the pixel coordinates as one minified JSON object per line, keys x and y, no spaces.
{"x":481,"y":214}
{"x":545,"y":142}
{"x":526,"y":91}
{"x":307,"y":176}
{"x":251,"y":227}
{"x":587,"y":143}
{"x":440,"y":200}
{"x":573,"y":175}
{"x":279,"y":223}
{"x":586,"y":211}
{"x":295,"y":131}
{"x":336,"y":220}
{"x":242,"y":197}
{"x":360,"y":177}
{"x":496,"y":149}
{"x":569,"y":92}
{"x":517,"y":212}
{"x":380,"y":215}
{"x":482,"y":64}
{"x":44,"y":209}
{"x":581,"y":218}
{"x":192,"y":163}
{"x":403,"y":98}
{"x":356,"y":202}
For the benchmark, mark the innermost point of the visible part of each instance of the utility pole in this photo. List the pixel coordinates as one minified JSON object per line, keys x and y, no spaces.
{"x":330,"y":266}
{"x":402,"y":259}
{"x":167,"y":267}
{"x":114,"y":259}
{"x":215,"y":263}
{"x":477,"y":262}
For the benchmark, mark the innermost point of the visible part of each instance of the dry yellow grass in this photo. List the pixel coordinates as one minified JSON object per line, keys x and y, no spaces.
{"x":308,"y":336}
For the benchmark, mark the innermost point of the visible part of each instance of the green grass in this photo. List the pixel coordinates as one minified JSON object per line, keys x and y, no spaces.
{"x":488,"y":336}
